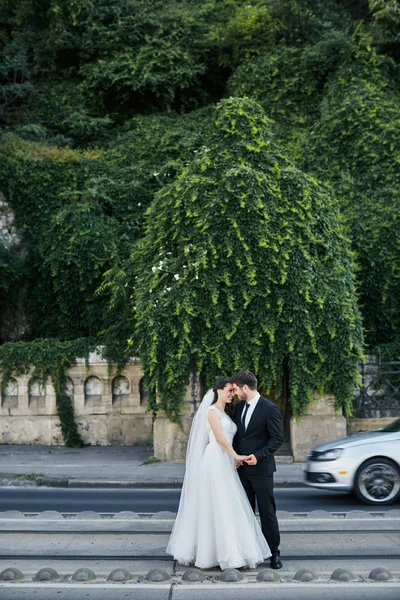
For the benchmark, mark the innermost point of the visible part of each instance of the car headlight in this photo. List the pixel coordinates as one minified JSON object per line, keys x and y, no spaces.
{"x":327,"y":455}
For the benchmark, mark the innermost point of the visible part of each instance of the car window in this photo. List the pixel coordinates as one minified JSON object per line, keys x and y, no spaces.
{"x":395,"y":426}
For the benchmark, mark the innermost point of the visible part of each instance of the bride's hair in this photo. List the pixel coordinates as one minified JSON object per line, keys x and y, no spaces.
{"x":219,"y":385}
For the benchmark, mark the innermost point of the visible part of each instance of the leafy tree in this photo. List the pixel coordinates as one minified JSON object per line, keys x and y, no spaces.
{"x":289,"y":83}
{"x":386,"y":25}
{"x":11,"y":270}
{"x":244,"y":265}
{"x":355,"y":146}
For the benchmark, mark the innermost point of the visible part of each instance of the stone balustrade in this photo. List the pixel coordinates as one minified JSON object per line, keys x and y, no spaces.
{"x":110,"y":408}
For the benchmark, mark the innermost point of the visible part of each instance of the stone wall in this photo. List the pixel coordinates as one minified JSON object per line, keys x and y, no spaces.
{"x":109,"y":408}
{"x":320,"y":424}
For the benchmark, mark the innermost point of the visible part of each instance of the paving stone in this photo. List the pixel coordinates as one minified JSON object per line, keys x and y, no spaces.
{"x":157,"y":575}
{"x":380,"y":574}
{"x":126,"y":514}
{"x":268,"y":575}
{"x":393,"y":513}
{"x":83,"y":575}
{"x":193,"y":574}
{"x":87,"y":514}
{"x":164,"y":514}
{"x":320,"y":514}
{"x":231,"y":575}
{"x":46,"y":574}
{"x":49,"y":515}
{"x":342,"y":575}
{"x":119,"y":575}
{"x":305,"y":575}
{"x":11,"y":574}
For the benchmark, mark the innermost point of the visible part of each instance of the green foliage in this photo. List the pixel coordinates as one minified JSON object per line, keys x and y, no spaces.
{"x":15,"y":85}
{"x":355,"y":146}
{"x":108,"y":109}
{"x":386,"y":25}
{"x":243,"y":265}
{"x":47,"y":358}
{"x":11,"y":269}
{"x":289,"y":84}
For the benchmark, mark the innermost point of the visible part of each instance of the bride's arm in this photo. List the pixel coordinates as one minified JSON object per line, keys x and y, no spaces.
{"x":215,"y":423}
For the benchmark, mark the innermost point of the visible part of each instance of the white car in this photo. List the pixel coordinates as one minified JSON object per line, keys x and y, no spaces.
{"x":367,"y":464}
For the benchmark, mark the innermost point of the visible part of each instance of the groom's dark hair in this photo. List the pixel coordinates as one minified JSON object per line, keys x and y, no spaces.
{"x":242,"y":378}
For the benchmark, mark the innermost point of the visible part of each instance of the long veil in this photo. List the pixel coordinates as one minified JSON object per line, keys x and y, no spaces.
{"x":183,"y":540}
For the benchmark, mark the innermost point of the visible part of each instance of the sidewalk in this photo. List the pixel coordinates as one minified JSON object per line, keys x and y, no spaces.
{"x":104,"y":466}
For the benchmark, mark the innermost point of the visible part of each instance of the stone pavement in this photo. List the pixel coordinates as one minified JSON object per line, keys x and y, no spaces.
{"x":104,"y":466}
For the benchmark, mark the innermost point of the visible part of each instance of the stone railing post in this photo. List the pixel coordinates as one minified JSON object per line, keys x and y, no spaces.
{"x":320,"y":424}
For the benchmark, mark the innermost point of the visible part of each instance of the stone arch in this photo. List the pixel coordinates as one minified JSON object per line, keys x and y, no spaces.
{"x":9,"y":395}
{"x":69,"y":387}
{"x":37,"y":394}
{"x":120,"y":389}
{"x":93,"y":390}
{"x":143,"y":392}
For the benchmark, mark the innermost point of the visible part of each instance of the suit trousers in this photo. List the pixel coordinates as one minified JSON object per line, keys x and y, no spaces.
{"x":261,"y":488}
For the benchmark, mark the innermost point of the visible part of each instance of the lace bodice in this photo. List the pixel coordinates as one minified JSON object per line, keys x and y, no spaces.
{"x":228,"y":426}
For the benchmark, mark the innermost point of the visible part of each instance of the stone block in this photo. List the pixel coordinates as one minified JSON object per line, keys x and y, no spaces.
{"x":318,"y":426}
{"x":362,"y":425}
{"x":93,"y":429}
{"x":169,"y":440}
{"x":25,"y":430}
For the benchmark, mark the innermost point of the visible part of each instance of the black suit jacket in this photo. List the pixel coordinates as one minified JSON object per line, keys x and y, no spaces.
{"x":263,"y":436}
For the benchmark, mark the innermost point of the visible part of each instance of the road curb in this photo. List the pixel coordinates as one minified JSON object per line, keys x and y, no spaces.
{"x":60,"y":482}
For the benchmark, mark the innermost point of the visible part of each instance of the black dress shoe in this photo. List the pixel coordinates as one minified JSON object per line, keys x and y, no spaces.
{"x":275,"y":562}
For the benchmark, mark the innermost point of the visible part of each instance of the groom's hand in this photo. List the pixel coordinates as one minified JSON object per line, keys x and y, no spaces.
{"x":251,"y":460}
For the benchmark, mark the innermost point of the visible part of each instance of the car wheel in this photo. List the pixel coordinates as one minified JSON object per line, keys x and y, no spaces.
{"x":377,"y":481}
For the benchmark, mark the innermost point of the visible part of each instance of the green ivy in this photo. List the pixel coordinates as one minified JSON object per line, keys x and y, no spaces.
{"x":48,"y":358}
{"x":244,"y":264}
{"x":355,"y":148}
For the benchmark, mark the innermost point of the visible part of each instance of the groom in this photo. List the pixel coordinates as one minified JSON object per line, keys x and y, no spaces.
{"x":259,"y":434}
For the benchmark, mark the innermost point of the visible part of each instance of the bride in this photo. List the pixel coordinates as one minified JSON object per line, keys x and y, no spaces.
{"x":215,"y":524}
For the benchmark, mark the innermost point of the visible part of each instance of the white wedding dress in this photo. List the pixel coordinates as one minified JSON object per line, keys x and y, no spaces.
{"x":215,"y":524}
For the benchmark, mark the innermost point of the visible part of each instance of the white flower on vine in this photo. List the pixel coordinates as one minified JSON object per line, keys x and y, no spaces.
{"x":176,"y":276}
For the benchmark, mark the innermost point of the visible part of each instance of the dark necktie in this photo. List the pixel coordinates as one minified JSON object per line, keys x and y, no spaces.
{"x":244,"y":415}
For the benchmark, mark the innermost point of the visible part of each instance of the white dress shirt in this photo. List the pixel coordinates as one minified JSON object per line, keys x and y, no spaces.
{"x":252,"y":404}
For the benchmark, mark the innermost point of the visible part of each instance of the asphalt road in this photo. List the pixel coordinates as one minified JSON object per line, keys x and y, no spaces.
{"x":154,"y":500}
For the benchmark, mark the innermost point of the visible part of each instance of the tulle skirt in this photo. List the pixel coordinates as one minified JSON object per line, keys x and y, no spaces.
{"x":222,"y":530}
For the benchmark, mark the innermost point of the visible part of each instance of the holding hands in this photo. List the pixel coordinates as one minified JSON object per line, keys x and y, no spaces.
{"x":250,"y":460}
